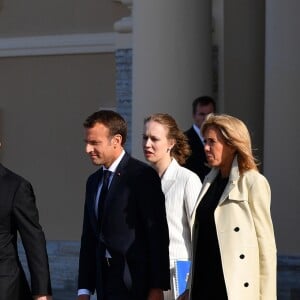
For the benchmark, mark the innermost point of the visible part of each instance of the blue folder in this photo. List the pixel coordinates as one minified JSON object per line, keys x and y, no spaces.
{"x":182,"y":269}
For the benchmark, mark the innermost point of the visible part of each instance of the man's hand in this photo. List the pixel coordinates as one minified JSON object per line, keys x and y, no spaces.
{"x":83,"y":297}
{"x":184,"y":296}
{"x":156,"y":294}
{"x":38,"y":297}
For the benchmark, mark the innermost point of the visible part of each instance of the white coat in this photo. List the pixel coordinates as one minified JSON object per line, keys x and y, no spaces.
{"x":245,"y":235}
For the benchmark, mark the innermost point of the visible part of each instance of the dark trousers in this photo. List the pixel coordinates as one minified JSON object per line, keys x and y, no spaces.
{"x":114,"y":287}
{"x":14,"y":286}
{"x":113,"y":283}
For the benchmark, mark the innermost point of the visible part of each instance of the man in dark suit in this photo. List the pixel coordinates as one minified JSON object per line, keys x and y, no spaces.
{"x":202,"y":106}
{"x":18,"y":213}
{"x":124,"y":244}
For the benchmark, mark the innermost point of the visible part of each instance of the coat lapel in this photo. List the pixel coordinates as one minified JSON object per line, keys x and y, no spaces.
{"x":93,"y":196}
{"x":119,"y":173}
{"x":169,"y":178}
{"x":2,"y":170}
{"x":231,"y":190}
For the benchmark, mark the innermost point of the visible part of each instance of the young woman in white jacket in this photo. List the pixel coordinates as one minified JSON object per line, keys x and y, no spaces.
{"x":166,"y":148}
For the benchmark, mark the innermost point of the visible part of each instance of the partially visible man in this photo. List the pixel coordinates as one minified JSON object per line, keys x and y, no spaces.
{"x":124,"y":245}
{"x":202,"y":106}
{"x":18,"y":213}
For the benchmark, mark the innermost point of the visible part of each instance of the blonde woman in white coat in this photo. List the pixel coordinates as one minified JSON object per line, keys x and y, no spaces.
{"x":234,"y":251}
{"x":166,"y":147}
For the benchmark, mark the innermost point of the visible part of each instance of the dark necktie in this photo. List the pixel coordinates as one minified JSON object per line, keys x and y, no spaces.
{"x":103,"y":193}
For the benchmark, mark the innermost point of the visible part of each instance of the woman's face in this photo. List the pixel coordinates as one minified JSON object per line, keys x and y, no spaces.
{"x":218,"y":153}
{"x":156,"y":145}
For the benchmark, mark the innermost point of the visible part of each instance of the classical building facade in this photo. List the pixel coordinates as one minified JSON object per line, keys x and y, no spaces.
{"x":61,"y":61}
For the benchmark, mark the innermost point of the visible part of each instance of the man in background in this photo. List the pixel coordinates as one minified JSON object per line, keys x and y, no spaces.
{"x":124,"y":245}
{"x":202,"y":106}
{"x":19,"y":214}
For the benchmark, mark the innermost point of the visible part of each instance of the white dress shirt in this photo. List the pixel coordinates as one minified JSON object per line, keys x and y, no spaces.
{"x":198,"y":131}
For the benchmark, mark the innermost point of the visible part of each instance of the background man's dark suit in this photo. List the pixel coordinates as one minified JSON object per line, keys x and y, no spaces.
{"x":202,"y":107}
{"x":18,"y":213}
{"x":134,"y":228}
{"x":197,"y":161}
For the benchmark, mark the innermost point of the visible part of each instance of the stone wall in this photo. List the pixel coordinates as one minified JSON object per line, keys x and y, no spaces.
{"x":63,"y":262}
{"x":124,"y":89}
{"x":288,"y":277}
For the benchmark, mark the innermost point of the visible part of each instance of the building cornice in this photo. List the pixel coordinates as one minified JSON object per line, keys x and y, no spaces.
{"x":58,"y":44}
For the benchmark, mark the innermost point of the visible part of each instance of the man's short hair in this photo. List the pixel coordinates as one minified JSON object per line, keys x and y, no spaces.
{"x":110,"y":119}
{"x":203,"y":101}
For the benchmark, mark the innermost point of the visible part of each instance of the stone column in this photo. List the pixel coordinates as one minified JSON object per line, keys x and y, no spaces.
{"x":172,"y":53}
{"x":282,"y":127}
{"x":123,"y":55}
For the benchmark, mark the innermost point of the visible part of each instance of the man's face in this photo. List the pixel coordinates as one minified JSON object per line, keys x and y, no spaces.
{"x":99,"y":145}
{"x":202,"y":111}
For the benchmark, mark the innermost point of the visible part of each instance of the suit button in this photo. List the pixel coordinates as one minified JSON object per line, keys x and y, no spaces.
{"x":236,"y":229}
{"x":246,"y":284}
{"x":242,"y":256}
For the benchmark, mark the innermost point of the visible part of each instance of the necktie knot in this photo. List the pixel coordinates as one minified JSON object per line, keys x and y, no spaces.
{"x":106,"y":175}
{"x":105,"y":183}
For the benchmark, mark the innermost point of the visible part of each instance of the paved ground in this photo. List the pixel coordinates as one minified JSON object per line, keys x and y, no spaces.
{"x":63,"y":295}
{"x":59,"y":294}
{"x":63,"y":260}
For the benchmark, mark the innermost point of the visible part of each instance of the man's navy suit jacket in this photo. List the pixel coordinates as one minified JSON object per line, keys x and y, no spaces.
{"x":18,"y":213}
{"x":197,"y":161}
{"x":134,"y":226}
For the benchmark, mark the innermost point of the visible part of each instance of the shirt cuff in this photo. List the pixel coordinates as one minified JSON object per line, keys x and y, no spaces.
{"x":83,"y":292}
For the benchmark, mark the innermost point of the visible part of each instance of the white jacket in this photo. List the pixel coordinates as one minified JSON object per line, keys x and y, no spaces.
{"x":181,"y":188}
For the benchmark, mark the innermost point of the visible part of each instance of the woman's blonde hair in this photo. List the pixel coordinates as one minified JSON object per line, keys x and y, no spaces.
{"x":181,"y":149}
{"x":236,"y":135}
